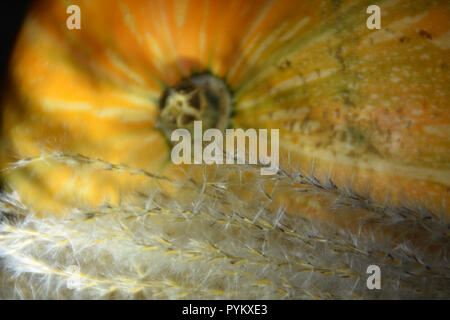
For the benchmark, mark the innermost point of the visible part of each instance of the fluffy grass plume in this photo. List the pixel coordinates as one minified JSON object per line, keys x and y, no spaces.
{"x":207,"y":239}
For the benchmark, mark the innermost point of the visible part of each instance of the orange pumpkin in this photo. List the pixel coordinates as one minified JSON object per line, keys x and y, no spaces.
{"x":365,"y":109}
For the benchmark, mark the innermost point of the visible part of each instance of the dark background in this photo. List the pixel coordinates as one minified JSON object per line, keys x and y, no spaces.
{"x":12,"y":14}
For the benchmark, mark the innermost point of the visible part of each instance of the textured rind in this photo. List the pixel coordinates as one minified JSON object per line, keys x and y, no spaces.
{"x":371,"y":103}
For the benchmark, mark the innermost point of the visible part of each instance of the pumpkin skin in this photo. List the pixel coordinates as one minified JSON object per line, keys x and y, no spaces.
{"x":369,"y":107}
{"x":361,"y":102}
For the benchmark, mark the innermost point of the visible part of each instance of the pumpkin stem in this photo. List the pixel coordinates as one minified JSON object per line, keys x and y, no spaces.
{"x":202,"y":97}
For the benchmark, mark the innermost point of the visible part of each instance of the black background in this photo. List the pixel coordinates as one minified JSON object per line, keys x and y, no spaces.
{"x":12,"y":14}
